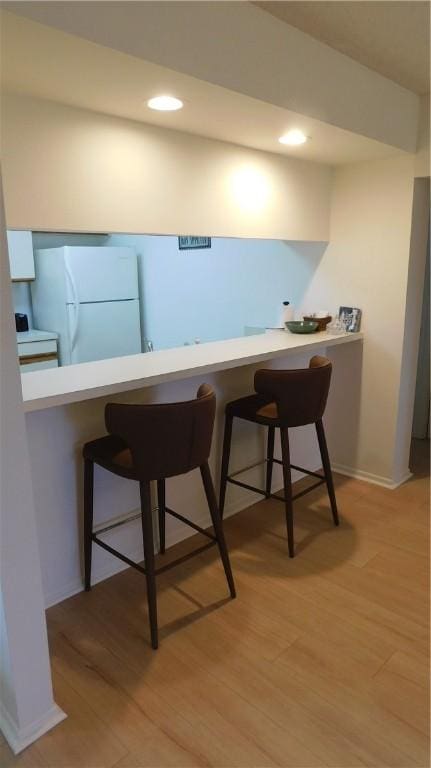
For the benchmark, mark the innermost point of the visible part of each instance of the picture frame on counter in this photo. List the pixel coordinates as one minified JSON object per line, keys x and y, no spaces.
{"x":191,"y":242}
{"x":351,"y":318}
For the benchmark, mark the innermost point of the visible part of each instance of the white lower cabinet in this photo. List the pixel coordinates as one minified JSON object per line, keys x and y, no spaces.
{"x":37,"y":350}
{"x":37,"y":366}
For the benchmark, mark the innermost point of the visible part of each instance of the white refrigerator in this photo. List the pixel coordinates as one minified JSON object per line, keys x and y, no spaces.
{"x":89,"y":296}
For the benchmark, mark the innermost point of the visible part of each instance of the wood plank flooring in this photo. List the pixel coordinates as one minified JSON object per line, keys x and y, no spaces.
{"x":320,"y":661}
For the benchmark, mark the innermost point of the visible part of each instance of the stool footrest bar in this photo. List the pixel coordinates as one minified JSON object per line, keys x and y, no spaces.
{"x":245,"y":485}
{"x":274,"y":495}
{"x":118,"y":554}
{"x":250,"y":466}
{"x":307,"y":490}
{"x":157,"y":571}
{"x":301,"y":493}
{"x":307,"y":471}
{"x":190,"y":524}
{"x":294,"y":466}
{"x":183,"y":559}
{"x":123,"y":521}
{"x":272,"y":461}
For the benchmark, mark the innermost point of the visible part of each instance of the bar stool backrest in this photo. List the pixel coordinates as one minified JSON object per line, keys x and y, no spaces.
{"x":165,"y":439}
{"x":300,"y":394}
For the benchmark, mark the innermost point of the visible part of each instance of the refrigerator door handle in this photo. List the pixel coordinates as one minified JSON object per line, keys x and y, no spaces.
{"x":75,"y":302}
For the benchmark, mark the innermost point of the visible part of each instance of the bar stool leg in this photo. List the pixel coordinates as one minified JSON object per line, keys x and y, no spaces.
{"x":88,"y":520}
{"x":161,"y":503}
{"x":147,"y":534}
{"x":269,"y":460}
{"x":225,"y":461}
{"x":217,"y":524}
{"x":287,"y":479}
{"x":327,"y":470}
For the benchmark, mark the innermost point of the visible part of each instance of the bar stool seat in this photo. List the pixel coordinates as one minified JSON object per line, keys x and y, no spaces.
{"x":255,"y":408}
{"x":283,"y":399}
{"x":111,"y":453}
{"x":151,"y":443}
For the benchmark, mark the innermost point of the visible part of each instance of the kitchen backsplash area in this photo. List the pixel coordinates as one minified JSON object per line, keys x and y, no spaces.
{"x":217,"y":292}
{"x":189,"y":290}
{"x":21,"y":298}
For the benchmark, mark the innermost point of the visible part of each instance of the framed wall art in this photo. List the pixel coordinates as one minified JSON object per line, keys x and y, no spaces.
{"x":189,"y":242}
{"x":351,"y":318}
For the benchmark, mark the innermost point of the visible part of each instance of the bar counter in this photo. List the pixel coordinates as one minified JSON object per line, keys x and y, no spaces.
{"x":65,"y":408}
{"x":74,"y":383}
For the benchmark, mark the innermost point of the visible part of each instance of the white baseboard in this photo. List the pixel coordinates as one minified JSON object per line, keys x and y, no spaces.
{"x":369,"y":477}
{"x":20,"y":738}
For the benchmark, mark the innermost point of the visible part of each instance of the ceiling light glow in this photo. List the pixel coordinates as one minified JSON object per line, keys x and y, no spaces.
{"x":165,"y":103}
{"x":293,"y":138}
{"x":250,"y":189}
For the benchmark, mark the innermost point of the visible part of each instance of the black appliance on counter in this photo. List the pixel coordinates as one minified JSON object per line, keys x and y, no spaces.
{"x":21,"y":322}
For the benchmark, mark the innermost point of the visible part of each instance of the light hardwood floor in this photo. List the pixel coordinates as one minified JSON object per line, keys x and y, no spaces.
{"x":320,"y":661}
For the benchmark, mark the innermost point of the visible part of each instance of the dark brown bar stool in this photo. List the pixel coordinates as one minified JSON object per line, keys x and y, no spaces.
{"x":154,"y":442}
{"x":283,"y":399}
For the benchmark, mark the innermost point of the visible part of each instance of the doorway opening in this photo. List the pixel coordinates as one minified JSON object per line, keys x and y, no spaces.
{"x":420,"y":446}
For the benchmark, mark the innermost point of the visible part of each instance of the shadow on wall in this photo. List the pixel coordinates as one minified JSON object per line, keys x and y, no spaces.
{"x":343,"y":411}
{"x":60,"y":239}
{"x":421,"y":413}
{"x":304,"y":259}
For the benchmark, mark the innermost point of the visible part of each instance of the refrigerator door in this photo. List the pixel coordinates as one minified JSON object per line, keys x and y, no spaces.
{"x":48,"y":294}
{"x":104,"y":329}
{"x":100,"y":274}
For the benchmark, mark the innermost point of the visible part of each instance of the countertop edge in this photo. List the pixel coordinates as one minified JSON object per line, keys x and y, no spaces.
{"x":90,"y":393}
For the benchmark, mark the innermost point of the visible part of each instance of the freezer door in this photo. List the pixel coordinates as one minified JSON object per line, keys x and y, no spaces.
{"x":105,"y":329}
{"x":100,"y":274}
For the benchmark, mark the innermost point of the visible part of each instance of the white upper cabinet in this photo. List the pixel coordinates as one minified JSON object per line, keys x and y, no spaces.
{"x":20,"y":245}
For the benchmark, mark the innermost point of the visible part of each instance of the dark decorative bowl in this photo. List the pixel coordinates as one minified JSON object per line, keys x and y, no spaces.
{"x":322,"y":322}
{"x":302,"y":326}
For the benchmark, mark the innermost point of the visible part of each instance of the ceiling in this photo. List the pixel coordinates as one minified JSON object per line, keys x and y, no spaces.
{"x":101,"y":79}
{"x":391,"y":38}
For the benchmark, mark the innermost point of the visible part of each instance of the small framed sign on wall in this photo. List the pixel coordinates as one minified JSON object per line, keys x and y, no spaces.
{"x":188,"y":242}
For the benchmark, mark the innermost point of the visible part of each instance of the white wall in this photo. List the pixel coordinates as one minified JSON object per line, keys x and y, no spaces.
{"x":27,"y":708}
{"x":214,"y":293}
{"x":67,"y":169}
{"x":366,"y":265}
{"x":59,"y":239}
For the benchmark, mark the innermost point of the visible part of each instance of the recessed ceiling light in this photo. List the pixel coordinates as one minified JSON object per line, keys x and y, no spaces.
{"x":293,"y":138}
{"x":165,"y":103}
